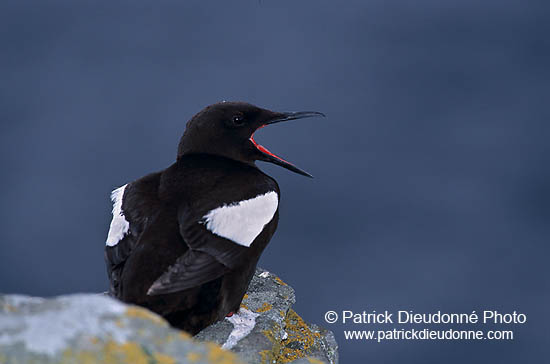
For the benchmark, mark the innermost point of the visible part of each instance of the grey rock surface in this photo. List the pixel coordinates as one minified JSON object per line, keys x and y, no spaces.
{"x":267,"y":330}
{"x":94,"y":328}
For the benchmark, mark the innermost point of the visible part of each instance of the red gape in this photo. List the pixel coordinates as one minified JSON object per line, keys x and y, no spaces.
{"x":263,"y":149}
{"x":230,"y":314}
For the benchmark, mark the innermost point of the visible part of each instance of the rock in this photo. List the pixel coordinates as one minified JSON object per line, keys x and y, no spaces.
{"x":92,"y":328}
{"x":267,"y":330}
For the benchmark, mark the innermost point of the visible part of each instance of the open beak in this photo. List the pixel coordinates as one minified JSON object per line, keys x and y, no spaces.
{"x":267,"y":156}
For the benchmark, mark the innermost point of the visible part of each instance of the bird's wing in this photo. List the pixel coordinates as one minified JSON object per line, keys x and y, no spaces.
{"x":115,"y":257}
{"x":119,"y":243}
{"x":190,"y":270}
{"x":219,"y":234}
{"x":133,"y":205}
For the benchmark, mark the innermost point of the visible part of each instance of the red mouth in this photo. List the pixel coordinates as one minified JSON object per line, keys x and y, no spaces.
{"x":264,"y":150}
{"x":272,"y":158}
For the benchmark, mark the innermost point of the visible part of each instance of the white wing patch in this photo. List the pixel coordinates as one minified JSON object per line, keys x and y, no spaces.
{"x":119,"y":225}
{"x":241,"y":222}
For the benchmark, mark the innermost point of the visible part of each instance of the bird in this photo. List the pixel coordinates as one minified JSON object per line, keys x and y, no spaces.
{"x":184,"y":242}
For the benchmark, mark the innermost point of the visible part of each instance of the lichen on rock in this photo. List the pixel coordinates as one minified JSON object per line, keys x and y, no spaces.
{"x":95,"y":328}
{"x":280,"y":335}
{"x":92,"y":328}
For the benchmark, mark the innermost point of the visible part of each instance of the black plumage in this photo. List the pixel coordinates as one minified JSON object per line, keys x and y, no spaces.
{"x":166,"y":256}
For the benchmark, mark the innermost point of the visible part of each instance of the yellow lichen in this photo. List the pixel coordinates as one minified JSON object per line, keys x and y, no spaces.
{"x":219,"y":356}
{"x":245,"y":297}
{"x":300,"y":338}
{"x":109,"y":353}
{"x":265,"y":307}
{"x":131,"y":352}
{"x":270,"y":356}
{"x":269,"y":334}
{"x":163,"y":359}
{"x":128,"y":352}
{"x":136,"y":312}
{"x":81,"y":357}
{"x":314,"y":361}
{"x":193,"y":356}
{"x":184,"y":335}
{"x":280,"y":281}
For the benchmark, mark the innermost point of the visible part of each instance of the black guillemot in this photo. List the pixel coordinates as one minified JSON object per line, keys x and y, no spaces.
{"x":184,"y":242}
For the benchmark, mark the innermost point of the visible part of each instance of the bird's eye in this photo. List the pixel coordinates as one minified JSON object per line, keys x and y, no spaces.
{"x":238,"y":120}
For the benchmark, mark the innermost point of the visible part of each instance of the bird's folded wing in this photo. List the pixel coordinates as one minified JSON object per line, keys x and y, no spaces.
{"x":117,"y":254}
{"x":115,"y":257}
{"x":209,"y":256}
{"x":218,"y":235}
{"x":190,"y":270}
{"x":226,"y":231}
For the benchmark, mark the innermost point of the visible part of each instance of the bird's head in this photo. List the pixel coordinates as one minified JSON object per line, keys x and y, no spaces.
{"x":227,"y":129}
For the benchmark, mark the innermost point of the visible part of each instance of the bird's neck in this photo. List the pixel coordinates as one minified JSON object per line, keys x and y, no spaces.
{"x":214,"y":156}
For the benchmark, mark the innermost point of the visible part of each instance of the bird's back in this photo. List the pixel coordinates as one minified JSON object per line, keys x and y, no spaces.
{"x":183,"y":253}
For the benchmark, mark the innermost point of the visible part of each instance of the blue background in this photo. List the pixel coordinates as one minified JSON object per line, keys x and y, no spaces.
{"x":432,"y":188}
